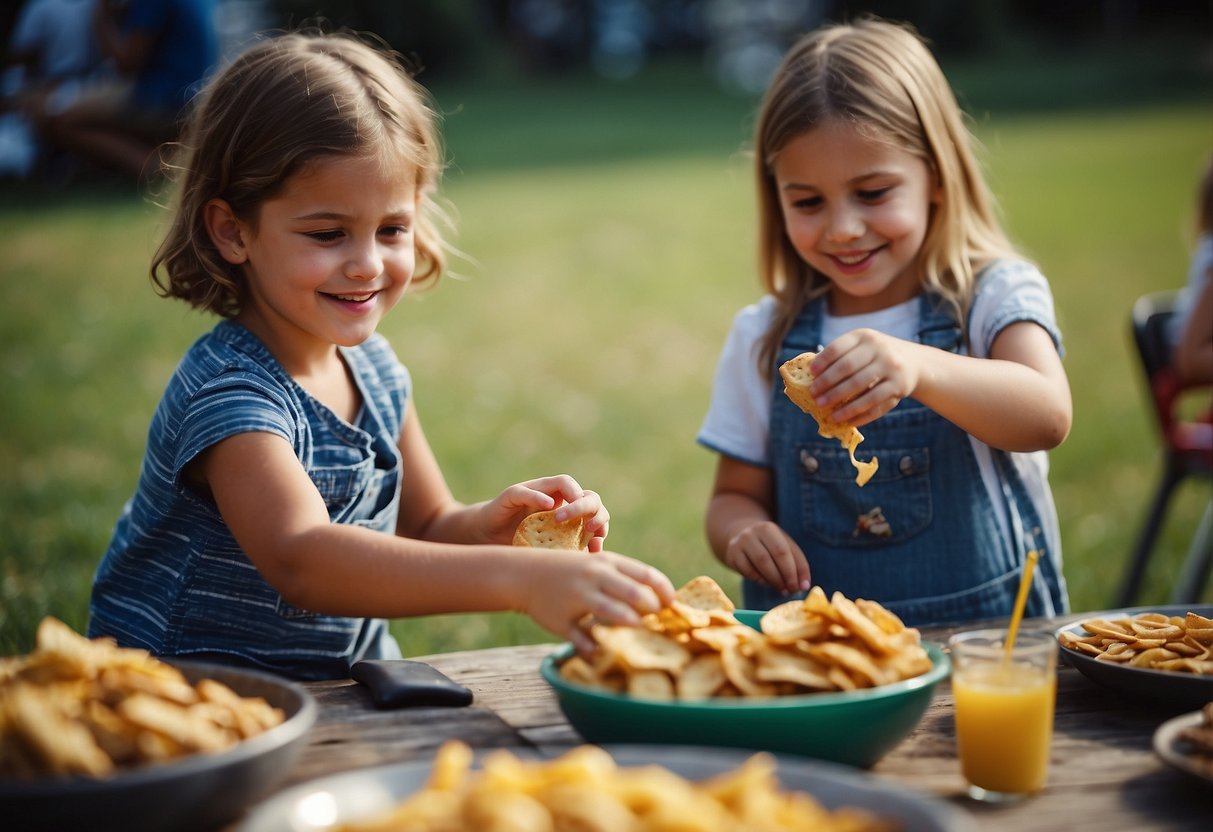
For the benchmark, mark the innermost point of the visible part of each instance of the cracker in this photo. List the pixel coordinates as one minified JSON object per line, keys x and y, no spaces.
{"x":797,"y":376}
{"x":541,"y":531}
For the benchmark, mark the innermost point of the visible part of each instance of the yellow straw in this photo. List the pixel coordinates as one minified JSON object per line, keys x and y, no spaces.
{"x":1020,"y":602}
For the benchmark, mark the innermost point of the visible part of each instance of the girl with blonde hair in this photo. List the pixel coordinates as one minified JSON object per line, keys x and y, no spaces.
{"x":879,"y":239}
{"x":289,"y":502}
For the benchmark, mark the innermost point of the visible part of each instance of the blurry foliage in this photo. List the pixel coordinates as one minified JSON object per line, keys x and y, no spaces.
{"x":437,"y":36}
{"x":470,"y":38}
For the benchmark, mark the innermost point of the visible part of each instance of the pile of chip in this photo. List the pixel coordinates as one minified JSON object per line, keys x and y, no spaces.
{"x":696,"y":649}
{"x":584,"y":789}
{"x":1178,"y":643}
{"x":76,"y":706}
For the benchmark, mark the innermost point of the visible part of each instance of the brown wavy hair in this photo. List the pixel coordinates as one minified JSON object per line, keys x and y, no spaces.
{"x":284,"y":103}
{"x":879,"y":77}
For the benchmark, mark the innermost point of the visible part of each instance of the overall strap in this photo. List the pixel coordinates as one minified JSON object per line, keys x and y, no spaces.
{"x":937,"y":324}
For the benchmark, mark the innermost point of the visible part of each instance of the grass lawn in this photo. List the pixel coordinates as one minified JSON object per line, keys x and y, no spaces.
{"x":609,"y":233}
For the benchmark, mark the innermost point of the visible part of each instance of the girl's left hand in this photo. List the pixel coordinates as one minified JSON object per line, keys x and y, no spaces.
{"x":863,"y":375}
{"x":502,"y":515}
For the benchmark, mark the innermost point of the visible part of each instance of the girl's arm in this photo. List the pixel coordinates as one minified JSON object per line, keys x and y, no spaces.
{"x":280,"y":521}
{"x":742,"y":533}
{"x":1018,"y":399}
{"x":429,"y":511}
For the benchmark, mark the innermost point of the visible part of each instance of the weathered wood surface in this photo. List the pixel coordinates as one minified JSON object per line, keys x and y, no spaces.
{"x":1103,"y":775}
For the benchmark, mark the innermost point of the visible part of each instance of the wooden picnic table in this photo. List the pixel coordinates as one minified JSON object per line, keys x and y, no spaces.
{"x":1103,"y":773}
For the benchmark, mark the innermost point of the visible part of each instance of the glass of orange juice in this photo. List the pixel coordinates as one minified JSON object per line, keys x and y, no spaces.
{"x":1004,"y":710}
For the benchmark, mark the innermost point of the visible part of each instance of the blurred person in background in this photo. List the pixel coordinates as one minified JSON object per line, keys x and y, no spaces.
{"x":161,"y":51}
{"x":1193,"y":332}
{"x":52,"y":57}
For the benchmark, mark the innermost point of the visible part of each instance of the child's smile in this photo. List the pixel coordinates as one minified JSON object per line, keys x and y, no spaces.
{"x":328,"y":257}
{"x":857,"y":210}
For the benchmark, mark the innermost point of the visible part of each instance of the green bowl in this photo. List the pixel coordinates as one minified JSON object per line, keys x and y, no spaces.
{"x":853,"y":727}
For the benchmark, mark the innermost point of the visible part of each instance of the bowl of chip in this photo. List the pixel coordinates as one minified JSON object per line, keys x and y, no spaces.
{"x":854,"y":726}
{"x":171,"y":788}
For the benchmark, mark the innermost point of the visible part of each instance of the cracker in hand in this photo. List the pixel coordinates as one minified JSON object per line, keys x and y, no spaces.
{"x":541,"y":531}
{"x":797,"y":376}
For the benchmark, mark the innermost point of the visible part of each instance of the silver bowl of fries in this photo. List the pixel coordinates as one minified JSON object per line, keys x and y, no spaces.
{"x":611,"y":787}
{"x":97,"y":737}
{"x":833,"y":679}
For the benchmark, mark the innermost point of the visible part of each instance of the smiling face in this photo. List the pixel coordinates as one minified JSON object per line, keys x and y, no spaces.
{"x":857,"y":210}
{"x":326,"y":258}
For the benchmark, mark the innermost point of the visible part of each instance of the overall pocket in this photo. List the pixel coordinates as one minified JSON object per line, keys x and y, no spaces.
{"x":837,"y":513}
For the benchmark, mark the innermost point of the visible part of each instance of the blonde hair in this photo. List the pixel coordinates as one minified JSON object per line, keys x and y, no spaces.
{"x":281,"y":105}
{"x":880,"y":78}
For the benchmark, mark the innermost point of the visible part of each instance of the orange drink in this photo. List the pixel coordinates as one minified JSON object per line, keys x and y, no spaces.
{"x":1004,"y":711}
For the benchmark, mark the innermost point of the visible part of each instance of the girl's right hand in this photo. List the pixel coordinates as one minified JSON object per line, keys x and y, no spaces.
{"x":607,"y":587}
{"x":765,"y":554}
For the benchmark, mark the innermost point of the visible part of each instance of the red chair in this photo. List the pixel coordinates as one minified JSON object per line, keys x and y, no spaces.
{"x":1187,"y":451}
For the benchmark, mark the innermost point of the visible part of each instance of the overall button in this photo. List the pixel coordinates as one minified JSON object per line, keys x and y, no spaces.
{"x":809,"y":462}
{"x":906,"y":465}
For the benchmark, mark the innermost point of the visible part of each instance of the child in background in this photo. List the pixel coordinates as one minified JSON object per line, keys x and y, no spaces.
{"x":878,"y":239}
{"x":289,"y":501}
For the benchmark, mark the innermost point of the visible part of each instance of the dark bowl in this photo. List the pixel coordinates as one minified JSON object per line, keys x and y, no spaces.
{"x":199,"y":792}
{"x":1178,"y":691}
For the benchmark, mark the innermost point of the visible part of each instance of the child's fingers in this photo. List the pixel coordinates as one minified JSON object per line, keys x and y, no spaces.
{"x":767,"y":555}
{"x":560,"y":487}
{"x":655,"y":588}
{"x":582,"y":642}
{"x":589,"y":506}
{"x":525,"y":497}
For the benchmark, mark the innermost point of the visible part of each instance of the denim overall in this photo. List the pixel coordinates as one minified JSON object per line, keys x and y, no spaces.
{"x":943,"y":556}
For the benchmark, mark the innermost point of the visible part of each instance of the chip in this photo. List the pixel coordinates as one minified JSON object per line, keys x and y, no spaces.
{"x":797,"y":375}
{"x":640,"y":649}
{"x":542,"y":531}
{"x":701,"y":678}
{"x":81,"y":707}
{"x":697,"y":649}
{"x":1179,"y":644}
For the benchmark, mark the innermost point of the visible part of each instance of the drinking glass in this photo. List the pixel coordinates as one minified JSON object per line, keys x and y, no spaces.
{"x":1004,"y":710}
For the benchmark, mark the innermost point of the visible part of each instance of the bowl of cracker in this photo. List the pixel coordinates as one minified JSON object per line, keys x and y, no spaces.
{"x":99,"y":737}
{"x":830,"y":678}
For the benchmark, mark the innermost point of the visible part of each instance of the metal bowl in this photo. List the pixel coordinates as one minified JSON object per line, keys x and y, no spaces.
{"x":199,"y":792}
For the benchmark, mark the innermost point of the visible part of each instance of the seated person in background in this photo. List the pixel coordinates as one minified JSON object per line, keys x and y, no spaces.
{"x":1193,"y":333}
{"x":161,"y":51}
{"x":51,"y":57}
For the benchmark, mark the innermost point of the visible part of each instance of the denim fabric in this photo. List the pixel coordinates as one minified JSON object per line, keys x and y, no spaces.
{"x":174,"y":580}
{"x":946,"y":557}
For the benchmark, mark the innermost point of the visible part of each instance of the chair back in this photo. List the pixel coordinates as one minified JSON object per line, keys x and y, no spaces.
{"x":1152,"y":315}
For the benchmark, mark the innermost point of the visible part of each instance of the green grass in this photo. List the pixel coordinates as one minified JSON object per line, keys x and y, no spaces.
{"x":610,"y":235}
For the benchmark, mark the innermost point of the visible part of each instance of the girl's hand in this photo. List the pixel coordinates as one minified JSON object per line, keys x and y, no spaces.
{"x":863,"y":375}
{"x":501,"y":516}
{"x":566,"y":592}
{"x":764,"y":553}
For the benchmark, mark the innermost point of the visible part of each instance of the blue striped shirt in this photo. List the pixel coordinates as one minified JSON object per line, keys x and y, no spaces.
{"x":175,"y":581}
